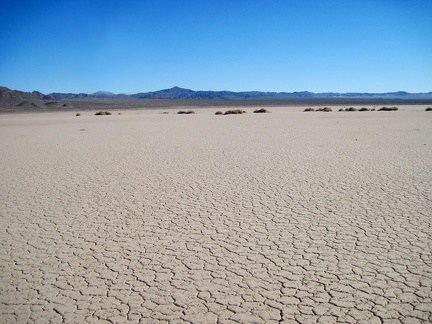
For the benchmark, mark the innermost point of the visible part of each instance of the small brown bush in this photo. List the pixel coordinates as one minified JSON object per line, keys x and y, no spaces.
{"x":101,"y":113}
{"x":189,"y":112}
{"x":261,"y":111}
{"x":325,"y":109}
{"x":234,"y":112}
{"x":388,"y":109}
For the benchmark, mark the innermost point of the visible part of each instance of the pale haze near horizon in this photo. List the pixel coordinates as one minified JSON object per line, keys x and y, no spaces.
{"x":139,"y":46}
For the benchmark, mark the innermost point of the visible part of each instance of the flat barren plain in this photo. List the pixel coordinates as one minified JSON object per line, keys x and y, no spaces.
{"x":288,"y":217}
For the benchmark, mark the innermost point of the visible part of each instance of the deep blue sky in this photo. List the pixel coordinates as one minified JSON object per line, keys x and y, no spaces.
{"x":137,"y":46}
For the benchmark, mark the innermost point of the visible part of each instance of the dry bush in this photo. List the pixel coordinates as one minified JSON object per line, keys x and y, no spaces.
{"x":325,"y":109}
{"x":234,"y":112}
{"x":388,"y":109}
{"x":261,"y":111}
{"x":101,"y":113}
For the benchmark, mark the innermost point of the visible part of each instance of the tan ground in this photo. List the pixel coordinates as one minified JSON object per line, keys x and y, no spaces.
{"x":257,"y":218}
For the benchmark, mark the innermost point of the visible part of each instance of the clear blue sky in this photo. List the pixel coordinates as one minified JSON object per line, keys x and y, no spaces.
{"x":138,"y":46}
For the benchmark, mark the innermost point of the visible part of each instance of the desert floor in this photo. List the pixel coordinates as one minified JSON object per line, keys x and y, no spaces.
{"x":282,"y":217}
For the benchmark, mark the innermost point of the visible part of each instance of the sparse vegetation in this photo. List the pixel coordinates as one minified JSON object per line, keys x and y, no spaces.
{"x":325,"y":109}
{"x":218,"y":112}
{"x":234,"y":112}
{"x":261,"y":111}
{"x":428,"y":109}
{"x":181,"y":112}
{"x":101,"y":113}
{"x":388,"y":109}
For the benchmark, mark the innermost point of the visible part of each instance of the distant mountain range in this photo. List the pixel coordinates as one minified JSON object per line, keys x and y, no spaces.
{"x":17,"y":100}
{"x":181,"y":93}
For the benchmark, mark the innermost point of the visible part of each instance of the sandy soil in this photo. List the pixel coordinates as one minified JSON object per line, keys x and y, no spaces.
{"x":280,"y":217}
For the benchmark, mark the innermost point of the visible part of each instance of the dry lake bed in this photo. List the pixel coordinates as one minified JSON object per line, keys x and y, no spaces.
{"x":286,"y":217}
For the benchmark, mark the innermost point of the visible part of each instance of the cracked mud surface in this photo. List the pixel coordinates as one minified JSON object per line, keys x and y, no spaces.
{"x":237,"y":219}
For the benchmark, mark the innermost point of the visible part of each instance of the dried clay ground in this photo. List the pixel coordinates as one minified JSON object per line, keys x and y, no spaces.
{"x":257,"y":218}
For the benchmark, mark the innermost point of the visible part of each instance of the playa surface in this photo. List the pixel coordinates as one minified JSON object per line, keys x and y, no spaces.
{"x":258,"y":218}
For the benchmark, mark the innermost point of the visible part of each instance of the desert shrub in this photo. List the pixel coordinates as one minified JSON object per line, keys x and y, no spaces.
{"x":364,"y":109}
{"x":234,"y":112}
{"x":100,"y":113}
{"x":388,"y":109}
{"x":181,"y":112}
{"x":428,"y":109}
{"x":325,"y":109}
{"x":260,"y":111}
{"x":309,"y":109}
{"x":218,"y":112}
{"x":78,"y":114}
